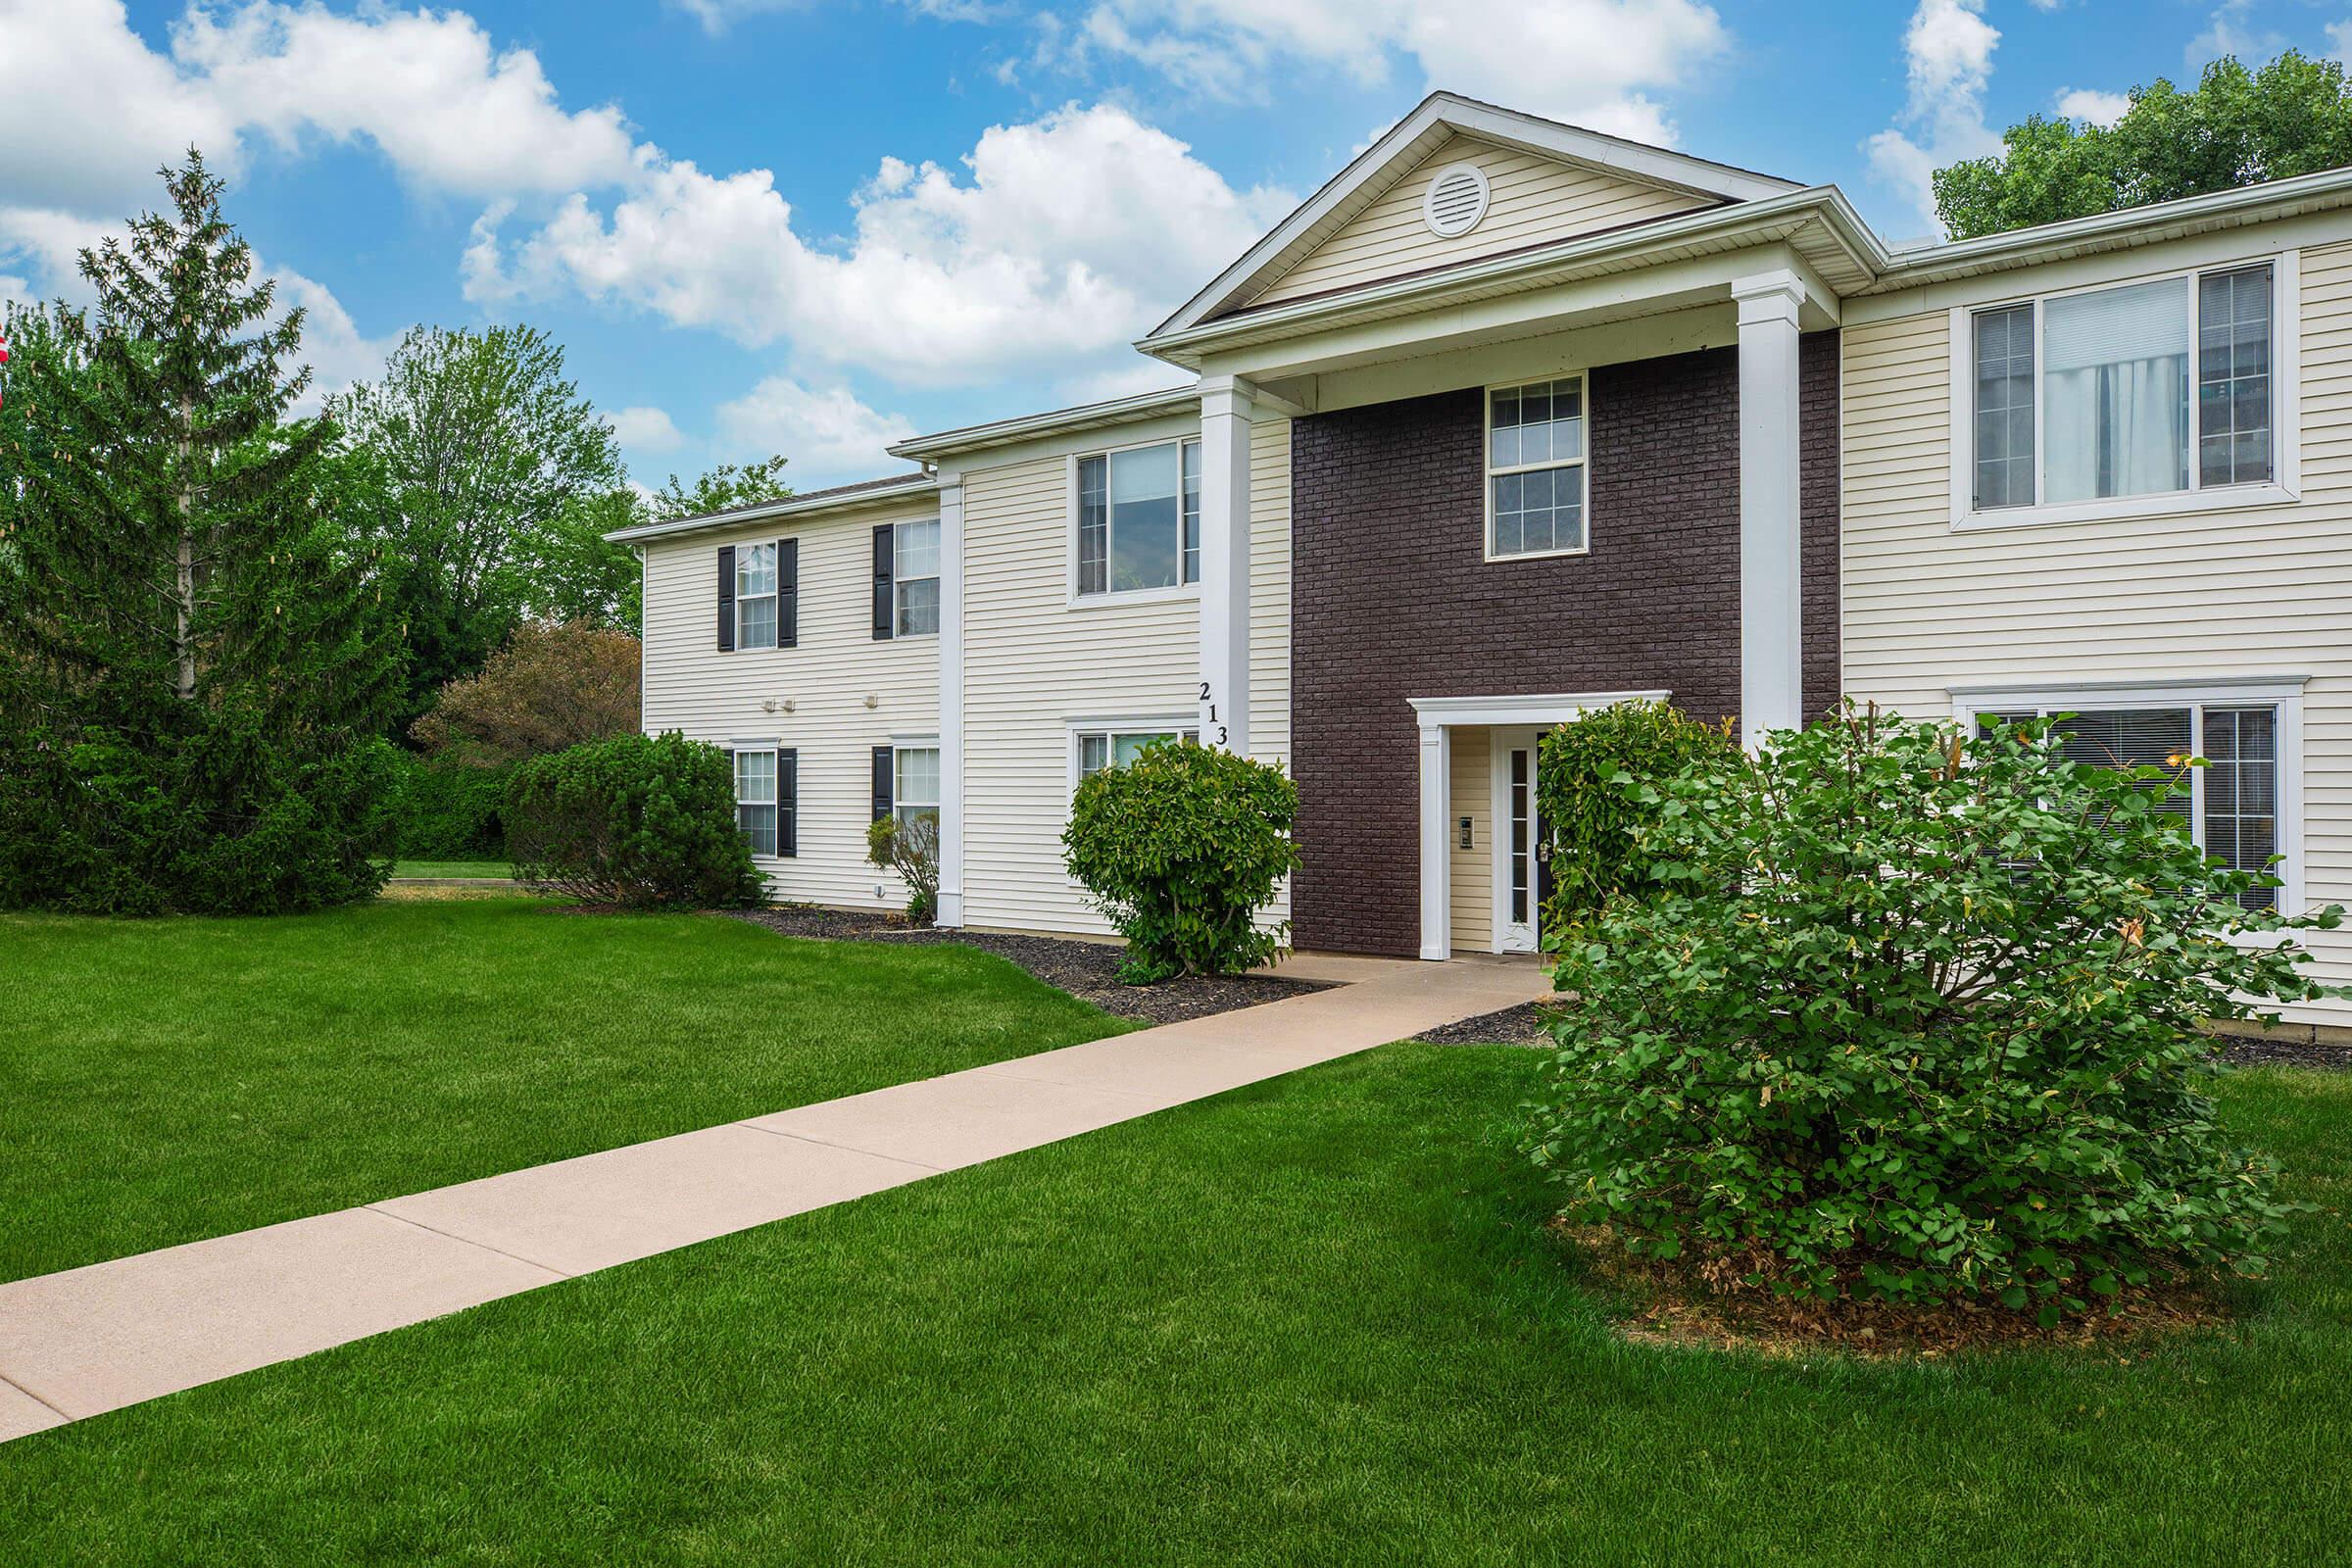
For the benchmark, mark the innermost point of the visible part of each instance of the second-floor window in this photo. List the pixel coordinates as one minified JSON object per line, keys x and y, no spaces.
{"x":916,"y":578}
{"x":755,"y":596}
{"x":1139,"y":519}
{"x":1536,"y":468}
{"x":2141,"y":390}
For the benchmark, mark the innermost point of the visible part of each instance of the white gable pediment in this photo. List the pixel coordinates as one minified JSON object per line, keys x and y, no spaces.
{"x":1543,"y":181}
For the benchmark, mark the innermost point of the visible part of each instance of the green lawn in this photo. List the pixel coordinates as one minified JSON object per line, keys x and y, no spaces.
{"x":492,"y":869}
{"x":167,"y":1080}
{"x":1313,"y":1321}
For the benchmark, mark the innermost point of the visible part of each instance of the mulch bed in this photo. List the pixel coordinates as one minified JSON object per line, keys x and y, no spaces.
{"x":1087,"y":970}
{"x":1703,"y":1304}
{"x":1522,"y":1025}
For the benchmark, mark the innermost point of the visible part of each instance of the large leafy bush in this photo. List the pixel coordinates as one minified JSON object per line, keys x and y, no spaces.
{"x":450,"y":810}
{"x":1915,"y":1016}
{"x":638,"y":820}
{"x":1181,"y":849}
{"x":1593,"y":823}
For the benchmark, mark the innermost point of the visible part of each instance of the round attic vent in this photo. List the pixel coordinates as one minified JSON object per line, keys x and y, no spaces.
{"x":1457,"y":199}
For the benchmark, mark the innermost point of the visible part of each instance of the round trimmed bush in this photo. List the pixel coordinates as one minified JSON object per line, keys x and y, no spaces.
{"x":1917,"y":1016}
{"x":638,"y":820}
{"x":1181,"y":849}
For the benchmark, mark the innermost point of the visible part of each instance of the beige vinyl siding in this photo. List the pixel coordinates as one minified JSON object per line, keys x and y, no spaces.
{"x":1033,"y":662}
{"x":2259,"y":592}
{"x":1533,"y":199}
{"x":1472,"y":873}
{"x":1271,"y":603}
{"x":692,"y":687}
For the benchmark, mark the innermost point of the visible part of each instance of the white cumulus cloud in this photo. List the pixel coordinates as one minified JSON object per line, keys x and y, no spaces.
{"x":829,"y":435}
{"x":1057,"y":240}
{"x":1597,"y":62}
{"x":2088,"y":103}
{"x":645,"y":429}
{"x":1947,"y":55}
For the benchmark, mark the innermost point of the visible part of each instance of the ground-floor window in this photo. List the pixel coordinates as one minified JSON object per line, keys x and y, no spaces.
{"x":1099,"y":749}
{"x":767,"y":799}
{"x":915,"y":795}
{"x":2237,"y":807}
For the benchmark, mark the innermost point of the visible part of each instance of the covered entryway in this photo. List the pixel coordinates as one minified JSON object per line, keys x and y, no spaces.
{"x":1484,"y":869}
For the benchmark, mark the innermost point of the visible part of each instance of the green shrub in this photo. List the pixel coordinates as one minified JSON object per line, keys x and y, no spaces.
{"x":1918,"y":1019}
{"x":450,"y":810}
{"x":1595,"y":826}
{"x":1181,"y":848}
{"x":637,"y":820}
{"x":910,"y":848}
{"x":201,"y":811}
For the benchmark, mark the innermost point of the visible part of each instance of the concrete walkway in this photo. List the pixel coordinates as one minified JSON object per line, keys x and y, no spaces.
{"x":89,"y":1339}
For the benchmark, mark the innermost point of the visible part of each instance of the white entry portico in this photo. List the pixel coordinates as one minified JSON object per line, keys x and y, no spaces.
{"x":1438,"y":718}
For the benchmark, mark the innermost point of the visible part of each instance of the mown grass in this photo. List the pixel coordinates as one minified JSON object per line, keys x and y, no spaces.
{"x":167,"y":1080}
{"x":1314,"y":1321}
{"x":491,"y":869}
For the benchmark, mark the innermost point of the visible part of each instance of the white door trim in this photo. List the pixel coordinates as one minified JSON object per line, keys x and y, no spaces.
{"x":1502,"y":743}
{"x":1436,"y":718}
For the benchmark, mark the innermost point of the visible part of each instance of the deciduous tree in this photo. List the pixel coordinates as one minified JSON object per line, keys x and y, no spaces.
{"x":2235,"y":127}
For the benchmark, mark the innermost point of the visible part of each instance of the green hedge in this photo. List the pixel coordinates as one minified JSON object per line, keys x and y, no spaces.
{"x":637,"y":819}
{"x":199,"y":812}
{"x":449,"y":811}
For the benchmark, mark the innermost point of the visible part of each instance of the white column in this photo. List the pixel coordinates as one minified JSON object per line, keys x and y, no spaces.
{"x":1436,"y":856}
{"x":951,"y":699}
{"x":1225,"y":410}
{"x":1770,"y":557}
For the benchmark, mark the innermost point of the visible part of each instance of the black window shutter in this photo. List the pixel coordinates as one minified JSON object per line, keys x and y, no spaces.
{"x":885,"y":537}
{"x":727,"y":599}
{"x":788,"y":801}
{"x":788,"y":593}
{"x":884,"y":783}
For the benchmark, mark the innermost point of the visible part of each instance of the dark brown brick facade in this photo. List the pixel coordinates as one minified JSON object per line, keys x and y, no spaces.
{"x":1392,"y":598}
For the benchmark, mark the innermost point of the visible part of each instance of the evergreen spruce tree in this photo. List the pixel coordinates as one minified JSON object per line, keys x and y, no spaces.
{"x":194,"y":677}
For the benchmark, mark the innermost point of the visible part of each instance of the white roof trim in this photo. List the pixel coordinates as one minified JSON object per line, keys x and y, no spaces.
{"x":1444,"y":112}
{"x":1436,"y":712}
{"x":784,"y":506}
{"x":1023,"y":427}
{"x":1615,"y":248}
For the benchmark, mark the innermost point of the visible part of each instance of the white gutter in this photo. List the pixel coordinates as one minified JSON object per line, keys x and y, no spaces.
{"x":1020,"y":427}
{"x":784,"y":506}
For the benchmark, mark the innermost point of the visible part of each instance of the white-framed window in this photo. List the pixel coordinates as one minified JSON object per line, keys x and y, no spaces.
{"x":1094,"y":747}
{"x":767,"y":799}
{"x":2243,"y":808}
{"x":914,"y":785}
{"x":2132,"y":398}
{"x":756,"y":597}
{"x":1138,"y":519}
{"x":915,"y":578}
{"x":1535,"y":463}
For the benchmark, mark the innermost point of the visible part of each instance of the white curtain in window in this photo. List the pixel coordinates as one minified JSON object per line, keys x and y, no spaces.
{"x":2115,"y":384}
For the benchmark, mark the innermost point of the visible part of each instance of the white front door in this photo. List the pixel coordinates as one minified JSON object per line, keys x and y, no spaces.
{"x":1518,"y":873}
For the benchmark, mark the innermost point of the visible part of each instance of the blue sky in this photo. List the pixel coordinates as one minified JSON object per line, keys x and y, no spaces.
{"x":814,"y":226}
